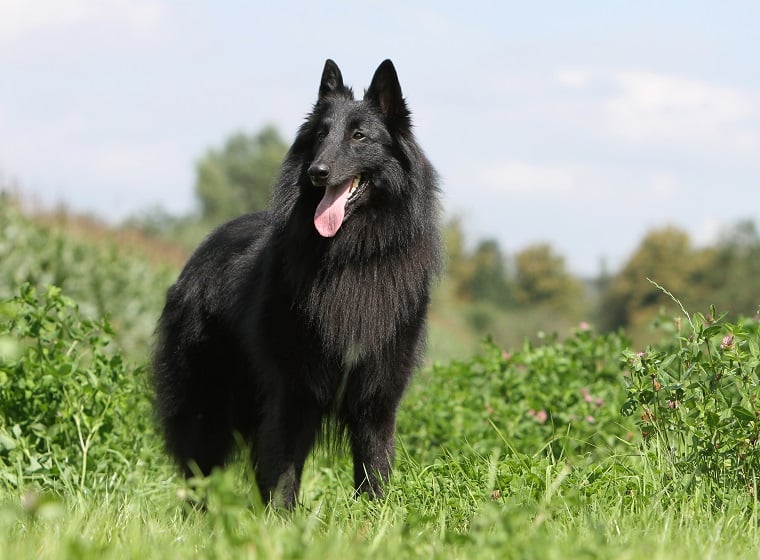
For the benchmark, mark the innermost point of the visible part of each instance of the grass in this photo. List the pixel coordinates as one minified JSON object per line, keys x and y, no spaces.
{"x":552,"y":448}
{"x":446,"y":510}
{"x":477,"y":477}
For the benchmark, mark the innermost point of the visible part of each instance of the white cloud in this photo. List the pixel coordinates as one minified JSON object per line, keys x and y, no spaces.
{"x":22,"y":18}
{"x":573,"y":77}
{"x":151,"y":162}
{"x":663,"y":185}
{"x":657,"y":107}
{"x":128,"y":177}
{"x":526,"y":178}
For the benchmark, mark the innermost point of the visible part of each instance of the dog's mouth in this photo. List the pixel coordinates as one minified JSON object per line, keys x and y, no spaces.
{"x":332,"y":209}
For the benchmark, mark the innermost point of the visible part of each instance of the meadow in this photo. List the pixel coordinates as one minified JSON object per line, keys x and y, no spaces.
{"x":573,"y":444}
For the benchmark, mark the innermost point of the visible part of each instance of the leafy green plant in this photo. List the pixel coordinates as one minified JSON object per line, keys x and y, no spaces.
{"x":559,"y":397}
{"x":72,"y":413}
{"x":697,"y":401}
{"x":104,"y":278}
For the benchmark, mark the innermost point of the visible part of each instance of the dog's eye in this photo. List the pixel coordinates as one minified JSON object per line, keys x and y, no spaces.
{"x":321,"y":135}
{"x":358,"y":136}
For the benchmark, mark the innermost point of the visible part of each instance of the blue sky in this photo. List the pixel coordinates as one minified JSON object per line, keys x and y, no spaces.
{"x":582,"y":124}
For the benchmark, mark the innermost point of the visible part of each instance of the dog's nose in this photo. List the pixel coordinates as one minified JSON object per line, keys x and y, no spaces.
{"x":318,"y":173}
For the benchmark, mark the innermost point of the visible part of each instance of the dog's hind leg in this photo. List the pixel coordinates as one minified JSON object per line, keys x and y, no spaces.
{"x":195,"y":416}
{"x":285,"y":437}
{"x":199,"y":440}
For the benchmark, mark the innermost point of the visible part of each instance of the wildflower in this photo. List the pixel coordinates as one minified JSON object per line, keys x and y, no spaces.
{"x":584,"y":326}
{"x":586,"y":395}
{"x":540,"y":416}
{"x":673,"y":404}
{"x":505,"y":355}
{"x":656,"y":385}
{"x":598,"y":402}
{"x":590,"y":419}
{"x":728,"y":342}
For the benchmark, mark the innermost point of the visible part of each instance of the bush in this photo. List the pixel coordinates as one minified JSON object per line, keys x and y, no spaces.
{"x":103,"y":272}
{"x":553,"y":397}
{"x":72,"y":414}
{"x":697,"y":401}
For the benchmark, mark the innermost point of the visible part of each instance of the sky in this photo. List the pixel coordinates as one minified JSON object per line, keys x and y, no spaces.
{"x":582,"y":124}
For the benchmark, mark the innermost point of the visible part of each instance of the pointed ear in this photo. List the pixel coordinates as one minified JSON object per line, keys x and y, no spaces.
{"x":385,"y":92}
{"x":332,"y":80}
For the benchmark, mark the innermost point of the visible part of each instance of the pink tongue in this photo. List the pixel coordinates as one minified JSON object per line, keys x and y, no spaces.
{"x":329,"y":215}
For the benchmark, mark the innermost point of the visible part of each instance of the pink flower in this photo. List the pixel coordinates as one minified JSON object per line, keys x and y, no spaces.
{"x":586,"y":395}
{"x":590,"y":419}
{"x":541,"y":416}
{"x":584,"y":326}
{"x":505,"y":355}
{"x":728,"y":342}
{"x":673,"y":404}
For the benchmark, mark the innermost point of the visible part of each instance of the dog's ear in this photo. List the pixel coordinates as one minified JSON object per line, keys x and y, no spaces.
{"x":385,"y":92}
{"x":332,"y":79}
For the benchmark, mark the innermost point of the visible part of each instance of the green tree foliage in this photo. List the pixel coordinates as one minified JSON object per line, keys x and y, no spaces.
{"x":666,"y":256}
{"x":479,"y":275}
{"x":458,"y":265}
{"x":239,"y":177}
{"x":489,"y":280}
{"x":728,"y":273}
{"x":542,"y":279}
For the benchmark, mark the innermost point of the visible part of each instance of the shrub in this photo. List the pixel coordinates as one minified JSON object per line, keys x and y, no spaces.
{"x":72,"y":414}
{"x":697,"y":402}
{"x":556,"y":397}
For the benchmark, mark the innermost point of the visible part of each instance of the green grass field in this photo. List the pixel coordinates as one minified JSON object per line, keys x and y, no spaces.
{"x":565,"y":447}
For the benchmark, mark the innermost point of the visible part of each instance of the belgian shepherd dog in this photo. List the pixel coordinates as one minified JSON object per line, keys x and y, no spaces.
{"x":309,"y":318}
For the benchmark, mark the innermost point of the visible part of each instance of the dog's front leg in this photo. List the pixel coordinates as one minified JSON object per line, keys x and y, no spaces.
{"x":372,"y":434}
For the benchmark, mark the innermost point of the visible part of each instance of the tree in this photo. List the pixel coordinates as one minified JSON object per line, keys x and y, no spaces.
{"x":239,"y":177}
{"x":665,"y":256}
{"x":542,"y":279}
{"x":728,"y":273}
{"x":489,"y":281}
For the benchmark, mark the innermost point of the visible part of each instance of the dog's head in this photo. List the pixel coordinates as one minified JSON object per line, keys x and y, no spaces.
{"x":352,"y":141}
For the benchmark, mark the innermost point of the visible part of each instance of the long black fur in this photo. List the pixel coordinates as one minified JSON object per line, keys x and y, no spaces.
{"x":272,"y":330}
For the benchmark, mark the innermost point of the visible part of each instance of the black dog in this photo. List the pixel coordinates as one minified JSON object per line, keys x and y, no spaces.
{"x":313,"y":312}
